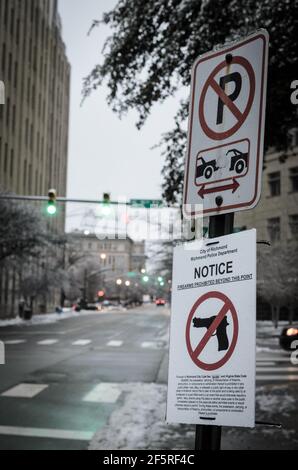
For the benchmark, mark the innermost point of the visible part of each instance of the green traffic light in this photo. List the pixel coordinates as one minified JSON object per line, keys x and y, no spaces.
{"x":146,"y":279}
{"x":51,"y":209}
{"x":160,"y":279}
{"x":106,"y":210}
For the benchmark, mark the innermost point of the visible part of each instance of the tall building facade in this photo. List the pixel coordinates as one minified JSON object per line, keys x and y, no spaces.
{"x":34,"y":120}
{"x":276,"y":215}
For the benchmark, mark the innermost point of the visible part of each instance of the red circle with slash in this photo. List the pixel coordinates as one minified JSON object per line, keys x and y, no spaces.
{"x":239,"y":115}
{"x":227,"y":307}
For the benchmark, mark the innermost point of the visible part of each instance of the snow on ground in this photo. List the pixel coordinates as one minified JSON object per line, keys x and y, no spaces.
{"x":49,"y":318}
{"x":278,"y":400}
{"x":139,"y":423}
{"x":267,"y":328}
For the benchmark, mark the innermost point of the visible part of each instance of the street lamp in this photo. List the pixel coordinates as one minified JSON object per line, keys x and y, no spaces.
{"x":103,"y":256}
{"x":143,"y":271}
{"x":127,"y":283}
{"x":119,"y":282}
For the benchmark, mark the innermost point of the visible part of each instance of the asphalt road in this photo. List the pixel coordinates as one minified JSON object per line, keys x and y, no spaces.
{"x":61,"y":381}
{"x":59,"y":384}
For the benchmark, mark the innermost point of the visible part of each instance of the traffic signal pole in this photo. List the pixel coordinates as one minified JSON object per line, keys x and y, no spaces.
{"x":13,"y":197}
{"x":209,"y":437}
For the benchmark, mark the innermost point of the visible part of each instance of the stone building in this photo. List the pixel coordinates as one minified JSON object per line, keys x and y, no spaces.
{"x":276,"y":215}
{"x":118,"y":255}
{"x":34,"y":119}
{"x":276,"y":220}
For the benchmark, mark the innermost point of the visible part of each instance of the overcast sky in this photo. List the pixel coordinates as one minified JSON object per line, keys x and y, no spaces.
{"x":105,"y":153}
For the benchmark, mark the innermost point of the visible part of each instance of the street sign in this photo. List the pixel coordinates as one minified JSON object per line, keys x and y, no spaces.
{"x":213,"y":330}
{"x":216,"y":324}
{"x":226,"y":128}
{"x":146,"y":203}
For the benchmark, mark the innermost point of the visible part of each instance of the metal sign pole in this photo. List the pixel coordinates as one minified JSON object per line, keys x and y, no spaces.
{"x":209,"y":437}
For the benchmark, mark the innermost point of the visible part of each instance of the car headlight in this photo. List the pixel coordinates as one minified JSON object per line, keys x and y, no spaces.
{"x":292,"y":332}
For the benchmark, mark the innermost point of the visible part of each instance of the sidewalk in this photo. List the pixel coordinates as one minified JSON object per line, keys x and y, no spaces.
{"x":140,"y":423}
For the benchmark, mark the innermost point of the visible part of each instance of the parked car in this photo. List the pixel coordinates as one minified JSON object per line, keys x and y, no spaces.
{"x":87,"y":306}
{"x":206,"y":169}
{"x":239,"y":160}
{"x":160,"y":302}
{"x":288,"y":336}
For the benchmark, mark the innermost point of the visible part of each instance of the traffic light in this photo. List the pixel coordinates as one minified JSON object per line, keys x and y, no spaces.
{"x":106,"y":198}
{"x":106,"y":204}
{"x":52,"y":208}
{"x":145,"y":279}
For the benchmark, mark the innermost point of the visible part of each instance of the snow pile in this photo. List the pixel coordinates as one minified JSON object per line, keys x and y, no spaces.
{"x":276,"y":402}
{"x":140,"y":422}
{"x":45,"y":319}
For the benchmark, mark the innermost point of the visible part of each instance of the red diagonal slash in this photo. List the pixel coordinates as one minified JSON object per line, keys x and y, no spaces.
{"x":211,"y":330}
{"x":224,"y":97}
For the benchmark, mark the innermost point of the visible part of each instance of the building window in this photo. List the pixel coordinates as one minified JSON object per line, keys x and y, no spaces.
{"x":11,"y":163}
{"x":6,"y":158}
{"x":293,"y":222}
{"x":3,"y":57}
{"x":294,"y":179}
{"x":274,"y":229}
{"x":274,"y":183}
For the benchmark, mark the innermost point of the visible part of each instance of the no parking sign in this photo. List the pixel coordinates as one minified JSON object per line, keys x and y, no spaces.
{"x":226,"y":128}
{"x":212,"y":341}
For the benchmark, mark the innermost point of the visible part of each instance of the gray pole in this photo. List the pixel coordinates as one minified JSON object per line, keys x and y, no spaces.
{"x":209,"y":437}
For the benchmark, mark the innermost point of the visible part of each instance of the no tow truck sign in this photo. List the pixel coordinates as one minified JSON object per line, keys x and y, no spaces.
{"x":226,"y":127}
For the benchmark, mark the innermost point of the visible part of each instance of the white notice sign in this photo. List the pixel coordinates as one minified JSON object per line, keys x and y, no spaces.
{"x":213,"y":332}
{"x":224,"y":159}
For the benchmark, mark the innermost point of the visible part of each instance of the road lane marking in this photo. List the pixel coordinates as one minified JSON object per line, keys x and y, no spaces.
{"x":46,"y":433}
{"x":265,"y":363}
{"x":277,"y":378}
{"x":152,"y":344}
{"x":278,"y":369}
{"x":280,"y":359}
{"x":81,"y":342}
{"x":24,"y":391}
{"x":115,"y":344}
{"x":47,"y":342}
{"x":103,"y":393}
{"x":14,"y":341}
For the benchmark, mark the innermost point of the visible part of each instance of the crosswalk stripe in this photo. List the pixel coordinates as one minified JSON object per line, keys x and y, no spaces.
{"x":103,"y":393}
{"x":150,"y":345}
{"x":280,"y":359}
{"x":263,"y":364}
{"x":46,"y":433}
{"x":277,"y":369}
{"x":115,"y":344}
{"x":82,"y":342}
{"x":277,"y":378}
{"x":24,"y":391}
{"x":47,"y":342}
